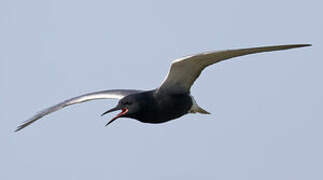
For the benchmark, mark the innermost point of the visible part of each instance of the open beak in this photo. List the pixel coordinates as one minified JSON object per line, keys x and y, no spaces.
{"x":123,"y":112}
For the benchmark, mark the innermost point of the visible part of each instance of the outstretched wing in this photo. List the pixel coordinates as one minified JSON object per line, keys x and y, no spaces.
{"x":184,"y":71}
{"x":107,"y":94}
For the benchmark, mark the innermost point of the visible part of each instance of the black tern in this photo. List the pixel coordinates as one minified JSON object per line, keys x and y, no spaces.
{"x":169,"y":101}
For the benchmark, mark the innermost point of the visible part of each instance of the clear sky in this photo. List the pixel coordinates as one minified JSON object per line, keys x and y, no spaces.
{"x":267,"y":109}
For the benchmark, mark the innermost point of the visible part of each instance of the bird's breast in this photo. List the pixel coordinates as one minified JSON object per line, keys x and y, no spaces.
{"x":163,"y":108}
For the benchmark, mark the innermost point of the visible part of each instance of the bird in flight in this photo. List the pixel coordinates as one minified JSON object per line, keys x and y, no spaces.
{"x":172,"y":99}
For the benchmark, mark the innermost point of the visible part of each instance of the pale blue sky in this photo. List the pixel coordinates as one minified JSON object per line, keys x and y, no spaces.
{"x":267,"y":109}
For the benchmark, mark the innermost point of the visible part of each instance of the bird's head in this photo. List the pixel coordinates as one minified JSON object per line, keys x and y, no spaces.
{"x":128,"y":106}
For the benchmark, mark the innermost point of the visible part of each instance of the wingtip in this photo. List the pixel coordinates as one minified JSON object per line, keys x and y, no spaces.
{"x":304,"y":45}
{"x":298,"y":45}
{"x":18,"y":128}
{"x":24,"y":124}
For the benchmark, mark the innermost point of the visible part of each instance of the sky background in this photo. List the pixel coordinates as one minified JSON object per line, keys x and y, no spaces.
{"x":267,"y":109}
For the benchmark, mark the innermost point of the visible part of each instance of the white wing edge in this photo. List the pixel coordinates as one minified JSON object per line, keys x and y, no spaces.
{"x":211,"y":57}
{"x":107,"y":94}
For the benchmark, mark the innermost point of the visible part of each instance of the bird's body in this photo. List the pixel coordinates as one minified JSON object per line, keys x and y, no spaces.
{"x":158,"y":108}
{"x":169,"y":101}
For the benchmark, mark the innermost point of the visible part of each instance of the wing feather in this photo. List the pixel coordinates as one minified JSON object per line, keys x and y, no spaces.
{"x":107,"y":94}
{"x":184,"y":71}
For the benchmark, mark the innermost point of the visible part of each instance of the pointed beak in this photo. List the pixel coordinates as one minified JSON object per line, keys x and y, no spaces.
{"x":123,"y":112}
{"x":111,"y":110}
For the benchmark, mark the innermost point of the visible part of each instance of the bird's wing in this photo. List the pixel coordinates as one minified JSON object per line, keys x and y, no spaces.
{"x":184,"y":71}
{"x":107,"y":94}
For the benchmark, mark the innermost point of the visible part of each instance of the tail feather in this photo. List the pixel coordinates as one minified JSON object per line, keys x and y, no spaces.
{"x":202,"y":111}
{"x":196,"y":108}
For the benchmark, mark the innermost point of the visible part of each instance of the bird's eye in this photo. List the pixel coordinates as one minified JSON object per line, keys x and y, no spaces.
{"x":127,"y":103}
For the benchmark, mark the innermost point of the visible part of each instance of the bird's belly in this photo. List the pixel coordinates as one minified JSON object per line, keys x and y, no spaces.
{"x":161,"y":118}
{"x":156,"y":118}
{"x":169,"y":109}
